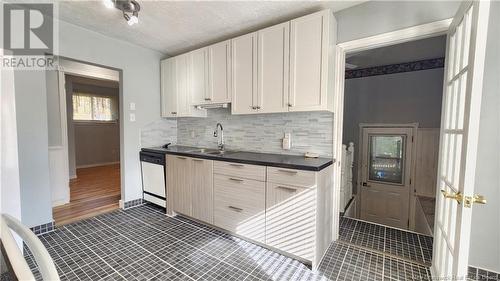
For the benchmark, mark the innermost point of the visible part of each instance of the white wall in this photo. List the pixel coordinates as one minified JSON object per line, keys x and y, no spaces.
{"x":485,"y":235}
{"x":141,"y":84}
{"x":376,"y":17}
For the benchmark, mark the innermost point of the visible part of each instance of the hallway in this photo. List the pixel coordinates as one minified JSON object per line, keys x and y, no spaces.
{"x":96,"y":190}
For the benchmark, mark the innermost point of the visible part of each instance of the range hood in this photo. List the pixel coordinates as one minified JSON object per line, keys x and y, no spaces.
{"x":211,"y":105}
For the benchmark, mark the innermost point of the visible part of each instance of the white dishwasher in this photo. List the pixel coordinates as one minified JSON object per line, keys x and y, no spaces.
{"x":153,"y":177}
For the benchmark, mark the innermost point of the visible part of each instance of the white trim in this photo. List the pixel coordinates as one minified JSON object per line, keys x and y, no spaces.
{"x":399,"y":36}
{"x":97,"y":165}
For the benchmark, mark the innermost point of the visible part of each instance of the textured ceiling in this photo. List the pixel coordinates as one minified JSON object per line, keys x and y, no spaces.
{"x":173,"y":27}
{"x":429,"y":48}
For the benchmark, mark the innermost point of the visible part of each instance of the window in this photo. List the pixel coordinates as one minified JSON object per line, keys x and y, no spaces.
{"x":87,"y":107}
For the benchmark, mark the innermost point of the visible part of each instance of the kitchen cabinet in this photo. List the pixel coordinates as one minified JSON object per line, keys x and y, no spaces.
{"x":201,"y":171}
{"x":282,"y":68}
{"x":219,"y":79}
{"x":291,"y":211}
{"x":198,"y":61}
{"x":272,"y":68}
{"x":239,"y":206}
{"x":244,"y":72}
{"x":176,"y":88}
{"x":311,"y":66}
{"x":191,"y":183}
{"x":168,"y":88}
{"x":178,"y":183}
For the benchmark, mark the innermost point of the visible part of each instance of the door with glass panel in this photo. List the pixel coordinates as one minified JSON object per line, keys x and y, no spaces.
{"x":385,"y":175}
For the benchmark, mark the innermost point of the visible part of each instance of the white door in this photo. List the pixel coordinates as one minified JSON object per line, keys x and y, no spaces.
{"x":168,"y":88}
{"x":385,"y":175}
{"x":459,"y":137}
{"x":198,"y":64}
{"x":272,"y":71}
{"x":244,"y":71}
{"x":219,"y":65}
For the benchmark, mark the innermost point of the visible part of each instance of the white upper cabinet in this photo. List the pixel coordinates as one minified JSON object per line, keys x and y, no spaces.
{"x":219,"y":73}
{"x":310,"y":61}
{"x":244,"y":71}
{"x":176,"y":88}
{"x":168,"y":88}
{"x":286,"y":67}
{"x":272,"y":68}
{"x":199,"y":75}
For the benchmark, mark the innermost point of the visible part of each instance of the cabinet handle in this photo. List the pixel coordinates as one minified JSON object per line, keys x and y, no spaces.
{"x":236,"y":209}
{"x":290,"y":189}
{"x":253,"y":107}
{"x":257,"y":107}
{"x":208,"y":99}
{"x":288,"y":171}
{"x":290,"y":105}
{"x":173,"y":113}
{"x":199,"y":160}
{"x":180,"y":157}
{"x":238,"y":180}
{"x":236,"y":165}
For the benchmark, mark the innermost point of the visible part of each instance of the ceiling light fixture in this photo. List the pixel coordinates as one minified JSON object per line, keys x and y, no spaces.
{"x":129,"y":8}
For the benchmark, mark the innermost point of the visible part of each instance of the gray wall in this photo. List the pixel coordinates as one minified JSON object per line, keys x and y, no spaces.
{"x":376,"y":17}
{"x":485,"y":233}
{"x":395,"y":98}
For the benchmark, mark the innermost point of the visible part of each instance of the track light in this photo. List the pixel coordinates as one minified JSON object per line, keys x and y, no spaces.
{"x":129,"y":8}
{"x":109,"y":4}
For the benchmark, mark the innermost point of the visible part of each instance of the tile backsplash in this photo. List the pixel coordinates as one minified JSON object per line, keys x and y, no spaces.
{"x":310,"y":131}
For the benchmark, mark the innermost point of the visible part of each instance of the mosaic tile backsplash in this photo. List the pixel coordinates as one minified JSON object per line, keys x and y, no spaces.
{"x":310,"y":131}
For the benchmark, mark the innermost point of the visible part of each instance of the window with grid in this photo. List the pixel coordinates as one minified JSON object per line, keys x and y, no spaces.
{"x":88,"y":107}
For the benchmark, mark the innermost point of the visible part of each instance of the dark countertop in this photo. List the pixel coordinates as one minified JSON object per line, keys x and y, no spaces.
{"x":254,"y":158}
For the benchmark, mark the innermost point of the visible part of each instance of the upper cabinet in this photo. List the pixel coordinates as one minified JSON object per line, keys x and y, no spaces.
{"x":219,"y":80}
{"x":310,"y":39}
{"x":286,"y":67}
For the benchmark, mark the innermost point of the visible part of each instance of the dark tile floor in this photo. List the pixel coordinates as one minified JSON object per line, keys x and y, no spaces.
{"x":143,"y":244}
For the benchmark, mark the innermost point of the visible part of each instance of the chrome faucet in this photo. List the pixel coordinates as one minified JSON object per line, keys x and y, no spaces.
{"x":220,"y":142}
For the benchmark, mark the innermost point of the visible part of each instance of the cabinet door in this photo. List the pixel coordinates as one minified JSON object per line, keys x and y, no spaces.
{"x":291,"y":219}
{"x":198,"y":76}
{"x":309,"y":62}
{"x":219,"y":78}
{"x":181,"y":71}
{"x":178,"y":180}
{"x":244,"y":72}
{"x":202,"y":189}
{"x":272,"y":70}
{"x":168,"y":88}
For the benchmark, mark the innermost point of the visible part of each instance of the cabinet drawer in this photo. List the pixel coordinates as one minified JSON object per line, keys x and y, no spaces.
{"x":240,"y":170}
{"x":239,"y":206}
{"x":291,"y":176}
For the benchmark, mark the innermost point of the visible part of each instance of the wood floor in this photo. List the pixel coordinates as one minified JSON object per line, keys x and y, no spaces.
{"x":96,"y":190}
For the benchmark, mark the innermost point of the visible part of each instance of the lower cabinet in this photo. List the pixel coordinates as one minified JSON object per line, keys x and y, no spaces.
{"x":291,"y":219}
{"x":191,"y":183}
{"x":239,"y":206}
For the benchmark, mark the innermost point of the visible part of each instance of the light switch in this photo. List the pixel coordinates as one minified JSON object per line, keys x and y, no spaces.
{"x":287,"y":141}
{"x":132,"y":117}
{"x":132,"y":106}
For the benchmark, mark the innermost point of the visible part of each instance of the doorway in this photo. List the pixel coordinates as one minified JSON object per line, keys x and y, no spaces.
{"x":90,"y":125}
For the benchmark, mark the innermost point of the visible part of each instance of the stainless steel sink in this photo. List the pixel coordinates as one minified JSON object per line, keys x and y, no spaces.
{"x":209,"y":151}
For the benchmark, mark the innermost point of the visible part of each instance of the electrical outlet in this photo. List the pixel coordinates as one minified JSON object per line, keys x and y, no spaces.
{"x":287,"y":141}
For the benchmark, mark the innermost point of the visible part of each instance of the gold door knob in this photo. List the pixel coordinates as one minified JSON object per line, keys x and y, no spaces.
{"x":453,"y":195}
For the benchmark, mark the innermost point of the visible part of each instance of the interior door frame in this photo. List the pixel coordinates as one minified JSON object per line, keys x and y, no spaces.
{"x":90,"y":70}
{"x":413,"y":33}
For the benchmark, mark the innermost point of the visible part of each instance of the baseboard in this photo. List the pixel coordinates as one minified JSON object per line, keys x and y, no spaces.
{"x":59,"y":202}
{"x":43,"y":228}
{"x":130,"y":204}
{"x":72,"y":177}
{"x":97,"y":165}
